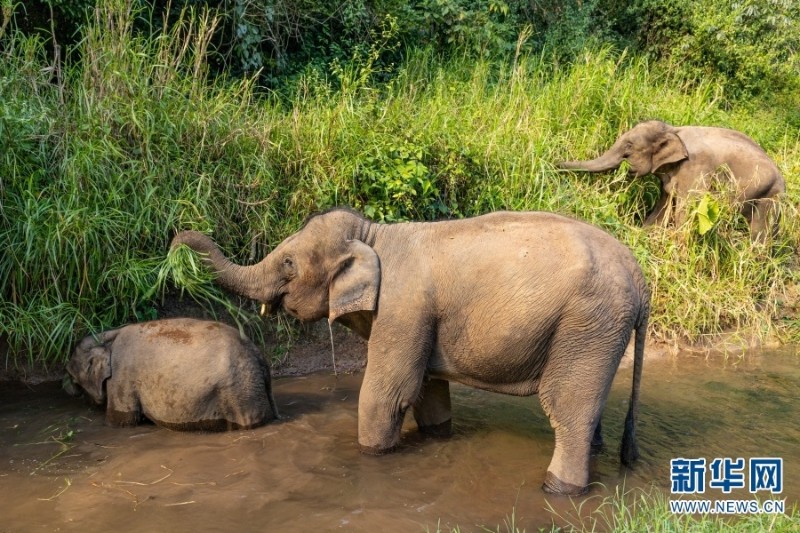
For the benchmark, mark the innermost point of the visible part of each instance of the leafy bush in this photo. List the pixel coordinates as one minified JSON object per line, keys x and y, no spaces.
{"x":751,"y":47}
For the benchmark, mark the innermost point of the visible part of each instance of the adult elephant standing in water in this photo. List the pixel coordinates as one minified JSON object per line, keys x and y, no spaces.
{"x":517,"y":303}
{"x":687,"y":159}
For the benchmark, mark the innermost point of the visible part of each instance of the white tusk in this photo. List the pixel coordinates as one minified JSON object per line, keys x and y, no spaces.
{"x":263,"y":309}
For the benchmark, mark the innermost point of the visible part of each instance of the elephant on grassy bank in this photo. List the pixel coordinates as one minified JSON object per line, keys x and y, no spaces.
{"x":689,"y":159}
{"x":181,"y":373}
{"x":517,"y":303}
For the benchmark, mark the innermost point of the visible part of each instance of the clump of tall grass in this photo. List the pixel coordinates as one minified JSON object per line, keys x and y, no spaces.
{"x":708,"y":277}
{"x":143,"y":144}
{"x":139,"y":142}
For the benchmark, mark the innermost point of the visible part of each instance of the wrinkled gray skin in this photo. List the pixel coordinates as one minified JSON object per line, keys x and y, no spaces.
{"x":517,"y":303}
{"x":687,"y":159}
{"x":181,"y":373}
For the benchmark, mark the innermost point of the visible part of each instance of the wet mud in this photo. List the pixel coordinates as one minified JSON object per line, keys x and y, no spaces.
{"x":63,"y":469}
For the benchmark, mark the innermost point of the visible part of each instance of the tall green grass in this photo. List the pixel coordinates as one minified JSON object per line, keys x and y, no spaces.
{"x":137,"y":142}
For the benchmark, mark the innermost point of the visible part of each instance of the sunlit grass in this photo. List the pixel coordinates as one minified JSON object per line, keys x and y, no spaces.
{"x":636,"y":511}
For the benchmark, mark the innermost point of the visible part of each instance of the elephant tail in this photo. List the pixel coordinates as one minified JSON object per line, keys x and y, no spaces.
{"x":629,"y":451}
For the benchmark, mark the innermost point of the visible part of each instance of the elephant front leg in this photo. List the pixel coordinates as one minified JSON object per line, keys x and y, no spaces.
{"x":122,"y":408}
{"x":762,"y":217}
{"x":392,"y":383}
{"x":432,"y":410}
{"x":661,"y":211}
{"x":381,"y":410}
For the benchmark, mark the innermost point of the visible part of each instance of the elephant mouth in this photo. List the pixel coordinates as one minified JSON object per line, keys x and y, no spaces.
{"x":271,"y":307}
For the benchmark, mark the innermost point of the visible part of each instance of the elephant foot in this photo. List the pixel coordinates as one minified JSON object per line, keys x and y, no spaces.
{"x":553,"y":485}
{"x":443,"y":429}
{"x":122,"y":419}
{"x":375,"y":450}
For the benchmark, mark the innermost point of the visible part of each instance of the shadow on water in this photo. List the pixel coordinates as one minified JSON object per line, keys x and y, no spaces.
{"x":62,"y":469}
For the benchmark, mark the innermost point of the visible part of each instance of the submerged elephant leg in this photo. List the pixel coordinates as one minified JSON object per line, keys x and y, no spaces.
{"x":568,"y":472}
{"x":573,"y":392}
{"x":382,"y":406}
{"x":123,"y":408}
{"x":392,"y":383}
{"x":432,"y":410}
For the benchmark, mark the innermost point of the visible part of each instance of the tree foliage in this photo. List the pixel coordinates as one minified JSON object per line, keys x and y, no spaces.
{"x":750,"y":47}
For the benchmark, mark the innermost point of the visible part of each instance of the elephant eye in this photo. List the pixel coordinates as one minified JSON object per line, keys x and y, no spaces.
{"x":288,"y":266}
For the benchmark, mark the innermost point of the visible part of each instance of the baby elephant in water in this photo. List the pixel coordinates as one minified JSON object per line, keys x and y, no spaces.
{"x":181,"y":373}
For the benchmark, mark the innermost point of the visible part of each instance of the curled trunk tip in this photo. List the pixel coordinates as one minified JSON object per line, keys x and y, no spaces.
{"x":251,"y":281}
{"x":192,"y":239}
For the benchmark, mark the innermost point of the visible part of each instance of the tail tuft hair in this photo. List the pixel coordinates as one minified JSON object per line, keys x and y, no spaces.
{"x":629,"y":451}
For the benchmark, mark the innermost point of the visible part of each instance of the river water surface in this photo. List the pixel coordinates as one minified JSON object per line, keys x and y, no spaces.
{"x":62,"y":469}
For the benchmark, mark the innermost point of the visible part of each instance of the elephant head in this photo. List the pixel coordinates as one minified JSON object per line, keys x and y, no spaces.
{"x":647,"y":147}
{"x":323,"y":270}
{"x":90,"y":366}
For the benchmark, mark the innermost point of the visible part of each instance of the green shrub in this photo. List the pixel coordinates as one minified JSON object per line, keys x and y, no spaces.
{"x":751,"y":47}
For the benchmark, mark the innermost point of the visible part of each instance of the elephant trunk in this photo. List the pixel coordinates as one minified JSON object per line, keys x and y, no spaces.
{"x":608,"y":161}
{"x":69,"y":385}
{"x":249,"y":281}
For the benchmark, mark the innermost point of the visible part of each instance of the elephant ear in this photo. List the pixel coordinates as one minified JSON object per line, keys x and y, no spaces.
{"x":97,"y":366}
{"x":668,"y":148}
{"x":354,"y":286}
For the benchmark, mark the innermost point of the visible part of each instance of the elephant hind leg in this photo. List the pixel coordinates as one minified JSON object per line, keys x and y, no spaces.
{"x":568,"y":472}
{"x":573,"y":392}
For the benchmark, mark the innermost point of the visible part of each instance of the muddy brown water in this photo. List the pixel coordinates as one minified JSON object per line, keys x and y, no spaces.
{"x":62,"y":469}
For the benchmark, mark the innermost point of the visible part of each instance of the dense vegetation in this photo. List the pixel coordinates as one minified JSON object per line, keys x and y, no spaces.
{"x":125,"y":129}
